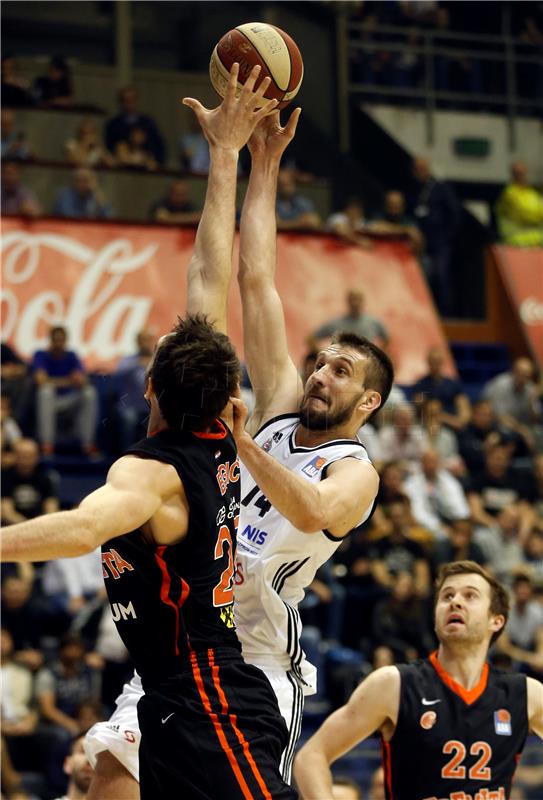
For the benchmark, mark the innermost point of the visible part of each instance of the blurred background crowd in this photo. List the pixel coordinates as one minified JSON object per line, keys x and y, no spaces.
{"x":460,"y":459}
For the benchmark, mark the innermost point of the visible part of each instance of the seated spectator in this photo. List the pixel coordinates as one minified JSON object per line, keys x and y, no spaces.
{"x":440,"y":438}
{"x":83,"y":199}
{"x":77,"y":767}
{"x":436,"y":496}
{"x":533,"y":555}
{"x":502,"y":545}
{"x":11,"y":781}
{"x":403,"y":440}
{"x":16,"y":382}
{"x":395,"y":222}
{"x":390,"y":489}
{"x":294,"y":211}
{"x":323,"y":604}
{"x":132,"y":408}
{"x":481,"y":432}
{"x":350,"y":224}
{"x":194,"y":149}
{"x":535,"y":489}
{"x":398,"y":551}
{"x":17,"y":198}
{"x":400,"y":622}
{"x":25,"y":618}
{"x":355,"y":321}
{"x":522,"y":639}
{"x":175,"y":207}
{"x":62,"y":386}
{"x":60,"y":689}
{"x":69,"y":584}
{"x":458,"y":546}
{"x":18,"y":715}
{"x":85,"y":149}
{"x":118,"y":128}
{"x":135,"y":151}
{"x":28,"y":490}
{"x":345,"y":789}
{"x":519,"y":210}
{"x":14,"y":143}
{"x":514,"y":398}
{"x":55,"y":89}
{"x":497,"y":487}
{"x":10,"y":433}
{"x":456,"y":405}
{"x":15,"y":90}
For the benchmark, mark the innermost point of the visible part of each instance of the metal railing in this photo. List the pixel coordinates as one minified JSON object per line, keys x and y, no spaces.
{"x":356,"y":43}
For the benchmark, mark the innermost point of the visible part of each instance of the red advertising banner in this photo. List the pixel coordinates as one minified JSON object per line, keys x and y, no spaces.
{"x":106,"y":282}
{"x":522,"y":274}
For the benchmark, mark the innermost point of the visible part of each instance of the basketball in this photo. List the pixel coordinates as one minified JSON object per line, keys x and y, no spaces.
{"x":259,"y":43}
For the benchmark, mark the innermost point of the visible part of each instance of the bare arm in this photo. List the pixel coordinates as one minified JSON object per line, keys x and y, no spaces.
{"x":336,"y":503}
{"x":134,"y":490}
{"x":374,"y":703}
{"x":535,"y":706}
{"x":274,"y":377}
{"x":227,"y":129}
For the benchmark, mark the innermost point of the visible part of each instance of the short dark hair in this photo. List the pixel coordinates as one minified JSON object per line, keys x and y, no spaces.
{"x":58,"y":329}
{"x":499,"y":598}
{"x":379,"y":373}
{"x":194,"y":372}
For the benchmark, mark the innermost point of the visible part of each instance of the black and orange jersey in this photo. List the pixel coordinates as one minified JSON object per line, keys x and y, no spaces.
{"x":454,"y":744}
{"x":169,"y":601}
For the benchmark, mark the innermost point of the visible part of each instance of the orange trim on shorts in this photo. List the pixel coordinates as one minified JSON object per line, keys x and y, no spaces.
{"x":232,"y":717}
{"x":220,"y":434}
{"x":469,"y":696}
{"x":218,"y":728}
{"x":165,"y":592}
{"x":387,"y":766}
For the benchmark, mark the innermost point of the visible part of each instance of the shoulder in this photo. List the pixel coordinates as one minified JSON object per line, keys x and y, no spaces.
{"x":383,"y":685}
{"x":133,"y":471}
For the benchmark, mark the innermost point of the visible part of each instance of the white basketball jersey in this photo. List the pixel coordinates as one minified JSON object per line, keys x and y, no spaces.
{"x":275,"y":561}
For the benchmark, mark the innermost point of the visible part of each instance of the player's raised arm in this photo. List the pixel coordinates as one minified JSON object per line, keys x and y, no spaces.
{"x":226,"y":129}
{"x":134,"y":490}
{"x":273,"y":375}
{"x":372,"y":705}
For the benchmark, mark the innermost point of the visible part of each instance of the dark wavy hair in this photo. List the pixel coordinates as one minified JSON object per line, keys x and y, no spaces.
{"x":194,"y":372}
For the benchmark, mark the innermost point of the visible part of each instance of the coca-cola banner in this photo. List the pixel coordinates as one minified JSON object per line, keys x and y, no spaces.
{"x":522,"y":273}
{"x":106,"y":282}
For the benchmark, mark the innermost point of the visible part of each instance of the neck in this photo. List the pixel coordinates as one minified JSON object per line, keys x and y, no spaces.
{"x":74,"y":793}
{"x":464,"y":663}
{"x":304,"y":437}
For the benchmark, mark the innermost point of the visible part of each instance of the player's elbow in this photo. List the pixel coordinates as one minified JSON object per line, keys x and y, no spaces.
{"x":87,"y":533}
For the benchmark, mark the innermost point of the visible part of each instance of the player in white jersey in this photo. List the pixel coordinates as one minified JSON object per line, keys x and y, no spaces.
{"x":324,"y":485}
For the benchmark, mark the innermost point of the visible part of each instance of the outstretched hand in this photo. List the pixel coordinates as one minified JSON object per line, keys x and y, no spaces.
{"x":239,"y":418}
{"x":270,"y":137}
{"x":230,"y":125}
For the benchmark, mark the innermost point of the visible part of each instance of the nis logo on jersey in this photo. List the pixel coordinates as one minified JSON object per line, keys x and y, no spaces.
{"x":314,"y":467}
{"x":227,"y":474}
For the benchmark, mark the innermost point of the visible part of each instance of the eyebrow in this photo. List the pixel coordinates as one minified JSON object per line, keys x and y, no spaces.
{"x":462,"y":588}
{"x":337,"y":357}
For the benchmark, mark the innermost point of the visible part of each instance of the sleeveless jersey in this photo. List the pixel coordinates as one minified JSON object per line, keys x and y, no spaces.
{"x":167,"y":601}
{"x":454,"y":744}
{"x":275,"y":560}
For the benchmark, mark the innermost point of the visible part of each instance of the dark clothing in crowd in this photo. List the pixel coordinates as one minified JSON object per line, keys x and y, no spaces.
{"x":118,"y":130}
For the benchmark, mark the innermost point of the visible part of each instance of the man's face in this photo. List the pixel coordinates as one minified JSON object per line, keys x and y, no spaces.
{"x":435,"y":361}
{"x":286,"y":185}
{"x":129,"y":100}
{"x":523,"y":592}
{"x":497,"y":461}
{"x":397,"y":514}
{"x":523,"y":372}
{"x":519,"y":172}
{"x":334,"y":390}
{"x":77,"y":766}
{"x":6,"y":645}
{"x":483,"y":416}
{"x":83,"y":182}
{"x":430,"y":464}
{"x":461,"y":533}
{"x":394,"y":204}
{"x":462,"y":612}
{"x":403,"y":419}
{"x":7,"y":120}
{"x":355,"y":303}
{"x":58,"y":340}
{"x":26,"y":456}
{"x":421,"y":169}
{"x":15,"y":592}
{"x":11,"y":177}
{"x":178,"y":194}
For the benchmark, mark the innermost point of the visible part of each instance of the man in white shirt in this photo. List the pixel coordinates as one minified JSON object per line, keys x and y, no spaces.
{"x":436,"y":496}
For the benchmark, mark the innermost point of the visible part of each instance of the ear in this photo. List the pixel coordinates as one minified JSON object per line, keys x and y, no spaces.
{"x":369,"y":401}
{"x":497,"y":623}
{"x":149,"y":389}
{"x":67,"y":766}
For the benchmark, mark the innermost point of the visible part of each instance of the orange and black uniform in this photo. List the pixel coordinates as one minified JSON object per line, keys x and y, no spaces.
{"x":211,"y":728}
{"x":454,"y":744}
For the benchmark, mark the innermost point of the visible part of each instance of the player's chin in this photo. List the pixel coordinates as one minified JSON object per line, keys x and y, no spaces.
{"x":314,"y":420}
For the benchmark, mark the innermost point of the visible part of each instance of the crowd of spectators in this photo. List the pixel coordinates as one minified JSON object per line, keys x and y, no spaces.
{"x":458,"y":481}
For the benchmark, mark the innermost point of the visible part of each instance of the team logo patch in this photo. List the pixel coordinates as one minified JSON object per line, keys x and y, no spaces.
{"x":428,"y":720}
{"x":502,"y":722}
{"x":314,"y":466}
{"x":267,"y":445}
